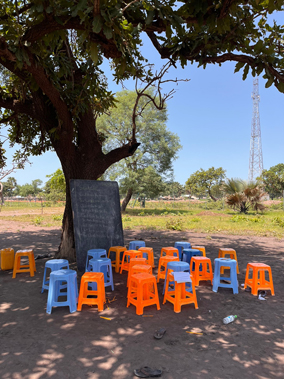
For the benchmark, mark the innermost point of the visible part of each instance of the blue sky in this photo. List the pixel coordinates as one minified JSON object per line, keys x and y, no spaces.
{"x":212,"y":116}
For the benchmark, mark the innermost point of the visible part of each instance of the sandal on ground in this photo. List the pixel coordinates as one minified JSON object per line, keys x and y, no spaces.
{"x":147,"y":372}
{"x":159,"y":333}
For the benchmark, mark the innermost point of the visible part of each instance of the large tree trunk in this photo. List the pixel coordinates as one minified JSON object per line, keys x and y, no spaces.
{"x":90,"y":165}
{"x":126,"y":199}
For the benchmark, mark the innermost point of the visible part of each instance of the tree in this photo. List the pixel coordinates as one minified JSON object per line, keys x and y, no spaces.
{"x":273,"y":180}
{"x":203,"y":181}
{"x":55,"y":187}
{"x":53,"y":88}
{"x":10,"y":187}
{"x":173,"y":189}
{"x":158,"y":146}
{"x":243,"y":196}
{"x":148,"y":183}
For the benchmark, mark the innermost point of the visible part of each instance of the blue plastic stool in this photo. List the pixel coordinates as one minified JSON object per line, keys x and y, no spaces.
{"x":55,"y":280}
{"x":53,"y":265}
{"x":102,"y":265}
{"x":176,"y":267}
{"x":134,"y":245}
{"x":221,"y":262}
{"x":94,"y":254}
{"x":180,"y":246}
{"x":189,"y":253}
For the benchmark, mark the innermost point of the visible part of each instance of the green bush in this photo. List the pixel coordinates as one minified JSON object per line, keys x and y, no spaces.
{"x":278,"y":221}
{"x":174,"y":224}
{"x":57,"y":218}
{"x":38,"y":220}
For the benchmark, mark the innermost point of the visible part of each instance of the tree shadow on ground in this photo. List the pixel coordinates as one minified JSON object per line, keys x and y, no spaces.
{"x":83,"y":345}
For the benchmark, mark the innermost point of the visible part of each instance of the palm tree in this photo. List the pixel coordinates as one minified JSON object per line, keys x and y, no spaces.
{"x":243,"y":196}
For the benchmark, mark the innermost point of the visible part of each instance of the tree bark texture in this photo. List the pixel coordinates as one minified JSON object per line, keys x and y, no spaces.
{"x":126,"y":199}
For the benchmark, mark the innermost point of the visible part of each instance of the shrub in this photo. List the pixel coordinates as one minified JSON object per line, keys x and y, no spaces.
{"x":174,"y":224}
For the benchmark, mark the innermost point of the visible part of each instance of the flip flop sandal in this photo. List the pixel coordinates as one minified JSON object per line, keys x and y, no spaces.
{"x":147,"y":372}
{"x":159,"y":333}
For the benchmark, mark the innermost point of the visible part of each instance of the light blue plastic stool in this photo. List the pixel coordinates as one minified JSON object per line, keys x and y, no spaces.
{"x":54,"y":292}
{"x":232,"y":263}
{"x":102,"y":265}
{"x":189,"y":253}
{"x":53,"y":265}
{"x":180,"y":246}
{"x":176,"y":267}
{"x":94,"y":254}
{"x":134,"y":245}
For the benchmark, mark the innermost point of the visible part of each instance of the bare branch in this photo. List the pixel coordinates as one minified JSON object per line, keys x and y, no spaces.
{"x":159,"y":99}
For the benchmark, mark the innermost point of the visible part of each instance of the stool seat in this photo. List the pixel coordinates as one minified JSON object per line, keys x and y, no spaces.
{"x":54,"y":292}
{"x":89,"y":278}
{"x":226,"y":252}
{"x":94,"y":254}
{"x":162,"y":268}
{"x":142,"y":292}
{"x":53,"y":265}
{"x":148,"y":253}
{"x":232,"y":264}
{"x":258,"y":281}
{"x":180,"y":246}
{"x":117,"y":250}
{"x":19,"y":268}
{"x":135,"y":245}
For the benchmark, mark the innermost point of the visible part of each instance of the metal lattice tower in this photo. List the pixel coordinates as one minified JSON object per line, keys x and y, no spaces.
{"x":255,"y":158}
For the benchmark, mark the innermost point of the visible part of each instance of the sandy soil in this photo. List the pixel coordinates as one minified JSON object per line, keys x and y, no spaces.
{"x":35,"y":345}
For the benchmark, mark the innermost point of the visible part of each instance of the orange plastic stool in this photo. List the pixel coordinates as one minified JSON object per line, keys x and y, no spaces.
{"x":92,"y":277}
{"x":150,"y":255}
{"x":138,"y":269}
{"x":142,"y":292}
{"x":258,"y":282}
{"x":7,"y":258}
{"x":117,"y":250}
{"x":173,"y":251}
{"x":162,"y":268}
{"x":180,"y":295}
{"x":18,"y":268}
{"x":133,"y":262}
{"x":232,"y":254}
{"x":200,"y":248}
{"x":127,"y":255}
{"x":206,"y":269}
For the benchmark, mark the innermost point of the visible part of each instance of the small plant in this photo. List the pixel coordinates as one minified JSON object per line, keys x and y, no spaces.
{"x":57,"y":218}
{"x":278,"y":221}
{"x":195,"y":219}
{"x":238,"y":218}
{"x":127,"y":218}
{"x":141,"y":213}
{"x":38,"y":220}
{"x":174,"y":224}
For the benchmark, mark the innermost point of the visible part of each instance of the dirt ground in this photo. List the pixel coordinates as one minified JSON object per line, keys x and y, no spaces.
{"x":35,"y":345}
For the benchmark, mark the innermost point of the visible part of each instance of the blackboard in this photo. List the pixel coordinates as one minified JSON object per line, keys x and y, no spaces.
{"x":96,"y":217}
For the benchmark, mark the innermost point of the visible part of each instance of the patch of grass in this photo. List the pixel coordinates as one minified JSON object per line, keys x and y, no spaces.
{"x":175,"y":224}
